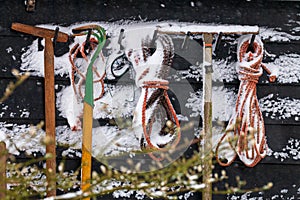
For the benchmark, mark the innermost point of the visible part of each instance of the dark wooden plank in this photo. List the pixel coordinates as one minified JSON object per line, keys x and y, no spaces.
{"x":283,"y":141}
{"x":284,"y":177}
{"x":27,"y":100}
{"x":11,"y":50}
{"x":228,"y":12}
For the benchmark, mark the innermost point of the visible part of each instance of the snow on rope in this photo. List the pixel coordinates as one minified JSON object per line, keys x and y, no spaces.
{"x":152,"y":69}
{"x":245,"y":134}
{"x":78,"y":57}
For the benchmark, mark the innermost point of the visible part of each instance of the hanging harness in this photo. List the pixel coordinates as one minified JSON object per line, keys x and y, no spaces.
{"x":245,"y":132}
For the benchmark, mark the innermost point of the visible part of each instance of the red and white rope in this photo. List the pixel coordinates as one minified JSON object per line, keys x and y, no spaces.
{"x":151,"y":73}
{"x":245,"y":134}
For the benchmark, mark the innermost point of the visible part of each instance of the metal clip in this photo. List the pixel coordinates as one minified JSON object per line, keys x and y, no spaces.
{"x":218,"y":43}
{"x":208,"y":69}
{"x":121,"y":38}
{"x":250,"y":47}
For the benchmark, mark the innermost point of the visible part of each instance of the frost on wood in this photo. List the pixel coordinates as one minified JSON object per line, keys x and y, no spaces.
{"x":290,"y":151}
{"x":282,"y":108}
{"x":274,"y":35}
{"x":289,"y":71}
{"x":282,"y":193}
{"x":222,"y":102}
{"x":21,"y":138}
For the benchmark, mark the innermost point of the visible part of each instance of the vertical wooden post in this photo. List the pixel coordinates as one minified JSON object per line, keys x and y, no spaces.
{"x":50,"y":115}
{"x":49,"y":94}
{"x":2,"y":170}
{"x":207,"y":121}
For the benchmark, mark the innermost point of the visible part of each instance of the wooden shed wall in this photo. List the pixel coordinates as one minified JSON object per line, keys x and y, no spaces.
{"x":282,"y":15}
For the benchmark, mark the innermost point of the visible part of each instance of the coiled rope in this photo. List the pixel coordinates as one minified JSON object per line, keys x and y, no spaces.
{"x":245,"y":133}
{"x":163,"y":98}
{"x":152,"y":70}
{"x":73,"y":55}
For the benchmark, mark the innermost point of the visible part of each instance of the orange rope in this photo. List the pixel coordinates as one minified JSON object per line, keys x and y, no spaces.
{"x":247,"y":110}
{"x":72,"y":57}
{"x":164,"y":86}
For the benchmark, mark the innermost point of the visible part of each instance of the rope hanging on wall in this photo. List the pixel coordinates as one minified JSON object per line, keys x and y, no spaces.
{"x":152,"y":69}
{"x":80,"y":50}
{"x":245,"y":134}
{"x":80,"y":57}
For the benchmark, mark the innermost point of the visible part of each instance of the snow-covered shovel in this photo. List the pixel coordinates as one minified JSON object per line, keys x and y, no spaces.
{"x":78,"y":57}
{"x":99,"y":41}
{"x":245,"y":134}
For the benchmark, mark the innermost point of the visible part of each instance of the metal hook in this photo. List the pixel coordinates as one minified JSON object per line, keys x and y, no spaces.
{"x":87,"y":41}
{"x":121,"y":38}
{"x":154,"y":37}
{"x":250,"y":47}
{"x":218,"y":42}
{"x":55,"y":37}
{"x":40,"y":46}
{"x":186,"y":39}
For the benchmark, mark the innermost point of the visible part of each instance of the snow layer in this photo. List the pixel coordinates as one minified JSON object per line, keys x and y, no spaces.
{"x":210,"y":28}
{"x":32,"y":59}
{"x":281,"y":194}
{"x":223,"y":71}
{"x":291,"y":150}
{"x":223,"y":102}
{"x":21,"y":138}
{"x":274,"y":35}
{"x":276,"y":107}
{"x":289,"y":70}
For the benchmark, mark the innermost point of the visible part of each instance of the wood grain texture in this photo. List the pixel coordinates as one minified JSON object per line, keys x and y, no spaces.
{"x":3,"y":155}
{"x":40,"y":32}
{"x":207,"y":119}
{"x":50,"y":115}
{"x":86,"y":159}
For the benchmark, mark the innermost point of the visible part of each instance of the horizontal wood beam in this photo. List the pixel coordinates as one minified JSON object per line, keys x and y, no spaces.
{"x":194,"y":29}
{"x":40,"y":32}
